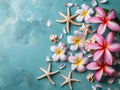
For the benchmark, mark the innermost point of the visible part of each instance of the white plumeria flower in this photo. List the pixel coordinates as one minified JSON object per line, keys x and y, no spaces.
{"x":84,"y":13}
{"x":77,"y":41}
{"x":78,"y":62}
{"x":59,"y":52}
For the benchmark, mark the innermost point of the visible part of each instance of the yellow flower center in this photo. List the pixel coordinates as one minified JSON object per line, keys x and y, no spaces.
{"x":84,"y":13}
{"x":77,"y":40}
{"x":59,"y":51}
{"x":78,"y":61}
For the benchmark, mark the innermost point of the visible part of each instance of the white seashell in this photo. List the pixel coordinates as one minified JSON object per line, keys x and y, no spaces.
{"x":62,"y":66}
{"x":90,"y":55}
{"x":93,"y":87}
{"x":119,"y":80}
{"x":108,"y":88}
{"x":60,"y":36}
{"x":94,"y":3}
{"x":48,"y":23}
{"x":68,"y":4}
{"x":77,"y":6}
{"x":102,"y":1}
{"x":98,"y":86}
{"x":111,"y":80}
{"x":48,"y":59}
{"x":69,"y":53}
{"x":64,"y":30}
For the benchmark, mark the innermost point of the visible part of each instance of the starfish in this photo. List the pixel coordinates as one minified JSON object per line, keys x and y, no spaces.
{"x":47,"y":74}
{"x":68,"y":80}
{"x":68,"y":19}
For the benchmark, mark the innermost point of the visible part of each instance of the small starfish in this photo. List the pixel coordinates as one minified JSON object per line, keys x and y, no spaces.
{"x":48,"y":74}
{"x":68,"y":80}
{"x":68,"y":19}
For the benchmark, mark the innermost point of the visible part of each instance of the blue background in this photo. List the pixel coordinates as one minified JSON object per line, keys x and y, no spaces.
{"x":24,"y":44}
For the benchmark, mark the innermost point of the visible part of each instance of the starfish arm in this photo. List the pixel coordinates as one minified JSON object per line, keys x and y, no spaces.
{"x":64,"y":76}
{"x":61,"y":21}
{"x":63,"y":83}
{"x":73,"y":16}
{"x":70,"y":73}
{"x":63,"y":15}
{"x":70,"y":85}
{"x":75,"y":80}
{"x":51,"y":73}
{"x":49,"y":66}
{"x":68,"y":11}
{"x":50,"y":79}
{"x":74,"y":23}
{"x":43,"y":70}
{"x":68,"y":26}
{"x":40,"y":77}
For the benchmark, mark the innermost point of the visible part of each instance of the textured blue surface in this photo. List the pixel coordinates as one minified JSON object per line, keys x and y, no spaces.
{"x":24,"y":44}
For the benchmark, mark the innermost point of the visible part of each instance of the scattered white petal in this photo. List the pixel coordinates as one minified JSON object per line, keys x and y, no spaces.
{"x":83,"y":50}
{"x":68,"y":4}
{"x":64,"y":30}
{"x":90,"y":55}
{"x":77,"y":6}
{"x":118,"y":74}
{"x":48,"y":59}
{"x":102,"y":1}
{"x":109,"y":88}
{"x":48,"y":23}
{"x":69,"y":53}
{"x":98,"y":86}
{"x":119,"y":80}
{"x":93,"y":87}
{"x":60,"y":36}
{"x":94,"y":3}
{"x":111,"y":80}
{"x":62,"y":66}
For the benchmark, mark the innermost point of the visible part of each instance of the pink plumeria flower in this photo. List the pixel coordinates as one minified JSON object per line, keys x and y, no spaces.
{"x":104,"y":47}
{"x":84,"y":13}
{"x":105,"y":21}
{"x":77,"y":41}
{"x":101,"y":69}
{"x":59,"y":52}
{"x":78,"y":62}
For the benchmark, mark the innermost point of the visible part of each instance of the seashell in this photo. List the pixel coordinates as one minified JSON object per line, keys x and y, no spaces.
{"x":98,"y":86}
{"x":62,"y":66}
{"x":94,"y":3}
{"x":48,"y":23}
{"x":68,"y":4}
{"x":111,"y":80}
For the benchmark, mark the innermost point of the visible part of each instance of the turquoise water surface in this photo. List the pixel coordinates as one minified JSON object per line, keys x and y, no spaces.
{"x":24,"y":44}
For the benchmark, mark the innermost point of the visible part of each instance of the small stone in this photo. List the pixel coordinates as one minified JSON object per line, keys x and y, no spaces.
{"x":90,"y":77}
{"x":54,"y":38}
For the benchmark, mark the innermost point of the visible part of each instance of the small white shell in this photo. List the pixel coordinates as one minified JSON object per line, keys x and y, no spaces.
{"x":60,"y":36}
{"x":93,"y":87}
{"x":68,"y":4}
{"x":48,"y":23}
{"x":108,"y":88}
{"x":62,"y":66}
{"x":69,"y":53}
{"x":102,"y":1}
{"x":90,"y":55}
{"x":64,"y":30}
{"x":119,"y":80}
{"x":111,"y":80}
{"x":94,"y":3}
{"x":98,"y":86}
{"x":48,"y":59}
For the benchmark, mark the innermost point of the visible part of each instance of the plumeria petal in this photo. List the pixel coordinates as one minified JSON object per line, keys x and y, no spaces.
{"x":85,"y":60}
{"x":109,"y":70}
{"x":79,"y":18}
{"x":55,"y":57}
{"x":86,"y":19}
{"x":111,"y":80}
{"x":111,"y":14}
{"x":113,"y":26}
{"x":85,"y":6}
{"x":73,"y":67}
{"x":93,"y":46}
{"x":71,"y":59}
{"x":95,"y":20}
{"x":63,"y":57}
{"x":101,"y":28}
{"x":99,"y":74}
{"x":98,"y":55}
{"x":81,"y":68}
{"x":53,"y":48}
{"x":99,"y":38}
{"x":78,"y":33}
{"x":79,"y":11}
{"x":90,"y":11}
{"x":93,"y":66}
{"x":114,"y":47}
{"x":70,"y":39}
{"x":79,"y":55}
{"x":110,"y":38}
{"x":108,"y":57}
{"x":101,"y":11}
{"x":74,"y":47}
